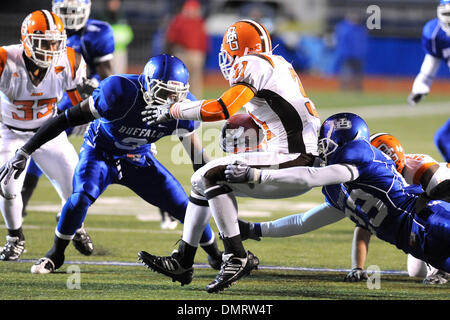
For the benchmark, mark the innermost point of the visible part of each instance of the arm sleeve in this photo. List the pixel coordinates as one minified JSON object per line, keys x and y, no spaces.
{"x":50,"y":129}
{"x":309,"y":177}
{"x":301,"y":223}
{"x":424,"y":79}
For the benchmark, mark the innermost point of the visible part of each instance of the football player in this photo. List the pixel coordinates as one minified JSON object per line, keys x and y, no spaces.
{"x":361,"y":182}
{"x":269,"y":89}
{"x":436,"y":43}
{"x":33,"y":78}
{"x":94,"y":40}
{"x":117,"y":149}
{"x":416,"y":169}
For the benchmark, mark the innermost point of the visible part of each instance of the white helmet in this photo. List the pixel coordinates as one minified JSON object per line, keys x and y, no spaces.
{"x":74,"y":13}
{"x":443,"y":13}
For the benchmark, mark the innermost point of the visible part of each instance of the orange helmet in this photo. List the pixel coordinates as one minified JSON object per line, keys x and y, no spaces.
{"x":43,"y":37}
{"x":390,"y":145}
{"x":241,"y":38}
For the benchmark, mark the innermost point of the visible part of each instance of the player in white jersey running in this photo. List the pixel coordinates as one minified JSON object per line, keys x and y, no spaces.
{"x":33,"y":77}
{"x":269,"y":89}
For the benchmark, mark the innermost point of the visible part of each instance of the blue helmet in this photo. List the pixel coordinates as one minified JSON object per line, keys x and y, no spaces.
{"x":165,"y":80}
{"x":73,"y":13}
{"x":443,"y":14}
{"x":339,"y":129}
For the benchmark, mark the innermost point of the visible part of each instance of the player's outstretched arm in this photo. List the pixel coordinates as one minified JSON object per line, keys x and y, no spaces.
{"x":202,"y":110}
{"x":360,"y":248}
{"x":80,"y":114}
{"x":302,"y":177}
{"x":423,"y":81}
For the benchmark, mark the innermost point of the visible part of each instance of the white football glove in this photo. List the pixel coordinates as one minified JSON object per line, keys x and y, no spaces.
{"x":155,"y":113}
{"x":240,"y":172}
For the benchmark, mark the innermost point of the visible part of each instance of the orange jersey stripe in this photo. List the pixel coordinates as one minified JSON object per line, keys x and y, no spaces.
{"x":228,"y":104}
{"x":3,"y":58}
{"x":419,"y":173}
{"x":71,"y":56}
{"x":74,"y":96}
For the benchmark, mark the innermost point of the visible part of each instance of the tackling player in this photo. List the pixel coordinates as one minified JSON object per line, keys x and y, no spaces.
{"x":33,"y":78}
{"x":436,"y":43}
{"x":117,"y":149}
{"x":361,"y":182}
{"x":416,"y":169}
{"x":269,"y":89}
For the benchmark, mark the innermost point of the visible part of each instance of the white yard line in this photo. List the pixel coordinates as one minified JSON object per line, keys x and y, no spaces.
{"x":206,"y":266}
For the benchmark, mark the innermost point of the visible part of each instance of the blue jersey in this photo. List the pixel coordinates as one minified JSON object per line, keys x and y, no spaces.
{"x":119,"y":130}
{"x":95,"y":42}
{"x":435,"y":41}
{"x":379,"y":199}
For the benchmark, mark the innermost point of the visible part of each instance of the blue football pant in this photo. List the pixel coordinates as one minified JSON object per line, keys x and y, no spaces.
{"x":94,"y":173}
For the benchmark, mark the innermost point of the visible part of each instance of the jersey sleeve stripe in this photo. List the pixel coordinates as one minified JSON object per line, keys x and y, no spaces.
{"x":103,"y":58}
{"x":224,"y":108}
{"x":71,"y":57}
{"x":3,"y":58}
{"x":420,"y":172}
{"x":74,"y":96}
{"x":92,"y":108}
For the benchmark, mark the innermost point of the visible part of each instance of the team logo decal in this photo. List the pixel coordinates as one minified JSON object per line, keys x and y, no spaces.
{"x":342,"y":123}
{"x":232,"y":40}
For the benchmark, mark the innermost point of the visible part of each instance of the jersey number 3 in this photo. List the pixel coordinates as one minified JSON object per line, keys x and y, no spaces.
{"x":26,"y":106}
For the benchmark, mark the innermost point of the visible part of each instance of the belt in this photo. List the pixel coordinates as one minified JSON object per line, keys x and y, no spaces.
{"x":21,"y":129}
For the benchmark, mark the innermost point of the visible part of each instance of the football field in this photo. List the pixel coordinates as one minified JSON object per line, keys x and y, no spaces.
{"x":305,"y":267}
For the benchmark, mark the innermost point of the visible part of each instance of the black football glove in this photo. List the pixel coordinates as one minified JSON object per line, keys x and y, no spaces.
{"x":414,"y":98}
{"x":356,"y":275}
{"x":15,"y":166}
{"x":87,"y":86}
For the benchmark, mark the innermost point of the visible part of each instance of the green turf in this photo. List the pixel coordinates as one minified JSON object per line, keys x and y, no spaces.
{"x":120,"y":237}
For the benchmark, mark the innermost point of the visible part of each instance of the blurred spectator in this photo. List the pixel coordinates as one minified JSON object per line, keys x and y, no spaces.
{"x":351,"y":46}
{"x":187,"y":39}
{"x":123,"y":34}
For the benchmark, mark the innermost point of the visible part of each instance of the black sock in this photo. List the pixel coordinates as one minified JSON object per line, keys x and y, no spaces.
{"x":213,"y":250}
{"x":16,"y":233}
{"x":56,"y":253}
{"x":186,"y":254}
{"x":234,"y":245}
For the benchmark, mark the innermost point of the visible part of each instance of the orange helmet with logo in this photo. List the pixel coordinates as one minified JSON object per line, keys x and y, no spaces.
{"x":390,"y":145}
{"x":43,"y":37}
{"x":241,"y":38}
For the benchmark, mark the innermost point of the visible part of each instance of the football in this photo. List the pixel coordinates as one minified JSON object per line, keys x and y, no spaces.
{"x":241,"y":133}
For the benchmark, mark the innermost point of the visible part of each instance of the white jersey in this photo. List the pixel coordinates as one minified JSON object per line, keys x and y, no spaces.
{"x":24,"y":105}
{"x":416,"y":166}
{"x":280,"y":106}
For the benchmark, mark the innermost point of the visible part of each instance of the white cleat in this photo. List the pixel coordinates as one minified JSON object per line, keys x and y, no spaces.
{"x":43,"y":266}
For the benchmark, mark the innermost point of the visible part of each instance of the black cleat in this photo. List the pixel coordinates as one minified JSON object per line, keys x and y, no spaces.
{"x":13,"y":249}
{"x":83,"y":242}
{"x":232,"y":269}
{"x":168,"y":266}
